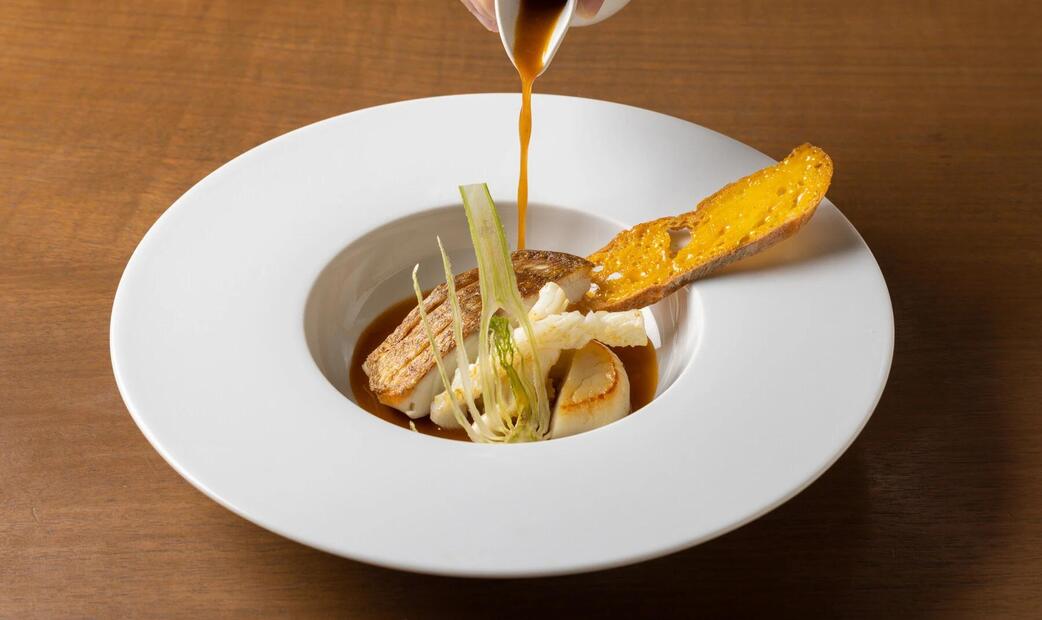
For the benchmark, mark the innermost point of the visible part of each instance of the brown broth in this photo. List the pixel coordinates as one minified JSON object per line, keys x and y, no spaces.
{"x":641,"y":366}
{"x":371,"y":337}
{"x":535,"y":24}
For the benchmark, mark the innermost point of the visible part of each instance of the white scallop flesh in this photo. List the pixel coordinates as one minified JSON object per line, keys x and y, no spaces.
{"x":595,"y":392}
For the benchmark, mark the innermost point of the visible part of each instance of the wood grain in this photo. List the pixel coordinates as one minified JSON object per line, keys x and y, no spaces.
{"x":932,"y":112}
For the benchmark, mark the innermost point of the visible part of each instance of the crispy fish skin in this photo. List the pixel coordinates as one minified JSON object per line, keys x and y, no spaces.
{"x":403,"y":364}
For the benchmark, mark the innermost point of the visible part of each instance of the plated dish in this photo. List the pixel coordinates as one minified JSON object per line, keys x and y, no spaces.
{"x":529,"y":345}
{"x":236,"y":316}
{"x":540,"y":344}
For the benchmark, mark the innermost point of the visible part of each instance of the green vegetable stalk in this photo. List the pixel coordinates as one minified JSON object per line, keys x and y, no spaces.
{"x":521,"y":412}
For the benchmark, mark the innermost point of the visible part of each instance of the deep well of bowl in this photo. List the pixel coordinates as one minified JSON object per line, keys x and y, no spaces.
{"x":374,"y":270}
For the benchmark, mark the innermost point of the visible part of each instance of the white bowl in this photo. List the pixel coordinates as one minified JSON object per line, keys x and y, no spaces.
{"x":235,"y":315}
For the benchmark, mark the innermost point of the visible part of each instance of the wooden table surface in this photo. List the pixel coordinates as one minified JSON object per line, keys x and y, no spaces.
{"x":932,"y":112}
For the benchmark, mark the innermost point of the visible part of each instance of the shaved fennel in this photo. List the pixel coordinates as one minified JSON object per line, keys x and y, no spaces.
{"x":437,"y":354}
{"x":498,"y":285}
{"x":518,"y":409}
{"x":506,"y":352}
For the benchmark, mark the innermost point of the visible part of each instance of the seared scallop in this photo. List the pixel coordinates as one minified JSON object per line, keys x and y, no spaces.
{"x":595,"y":392}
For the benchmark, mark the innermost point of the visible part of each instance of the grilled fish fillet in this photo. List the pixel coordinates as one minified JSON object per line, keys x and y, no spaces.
{"x":402,"y":370}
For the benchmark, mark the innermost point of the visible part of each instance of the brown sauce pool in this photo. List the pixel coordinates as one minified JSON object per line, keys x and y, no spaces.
{"x":535,"y":24}
{"x":640,"y":363}
{"x":371,"y":337}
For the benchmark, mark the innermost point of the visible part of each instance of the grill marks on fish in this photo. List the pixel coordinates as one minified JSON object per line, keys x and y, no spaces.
{"x":404,"y":360}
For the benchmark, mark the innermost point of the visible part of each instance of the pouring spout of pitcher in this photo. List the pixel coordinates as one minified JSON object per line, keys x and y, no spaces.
{"x":508,"y":15}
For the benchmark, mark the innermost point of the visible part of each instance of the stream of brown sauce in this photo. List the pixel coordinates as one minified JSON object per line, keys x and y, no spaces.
{"x":535,"y":24}
{"x":640,"y":363}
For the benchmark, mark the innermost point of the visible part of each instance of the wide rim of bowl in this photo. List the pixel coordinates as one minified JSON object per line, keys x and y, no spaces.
{"x":135,"y":378}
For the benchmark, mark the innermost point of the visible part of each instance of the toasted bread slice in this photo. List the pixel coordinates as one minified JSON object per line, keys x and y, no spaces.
{"x":644,"y":264}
